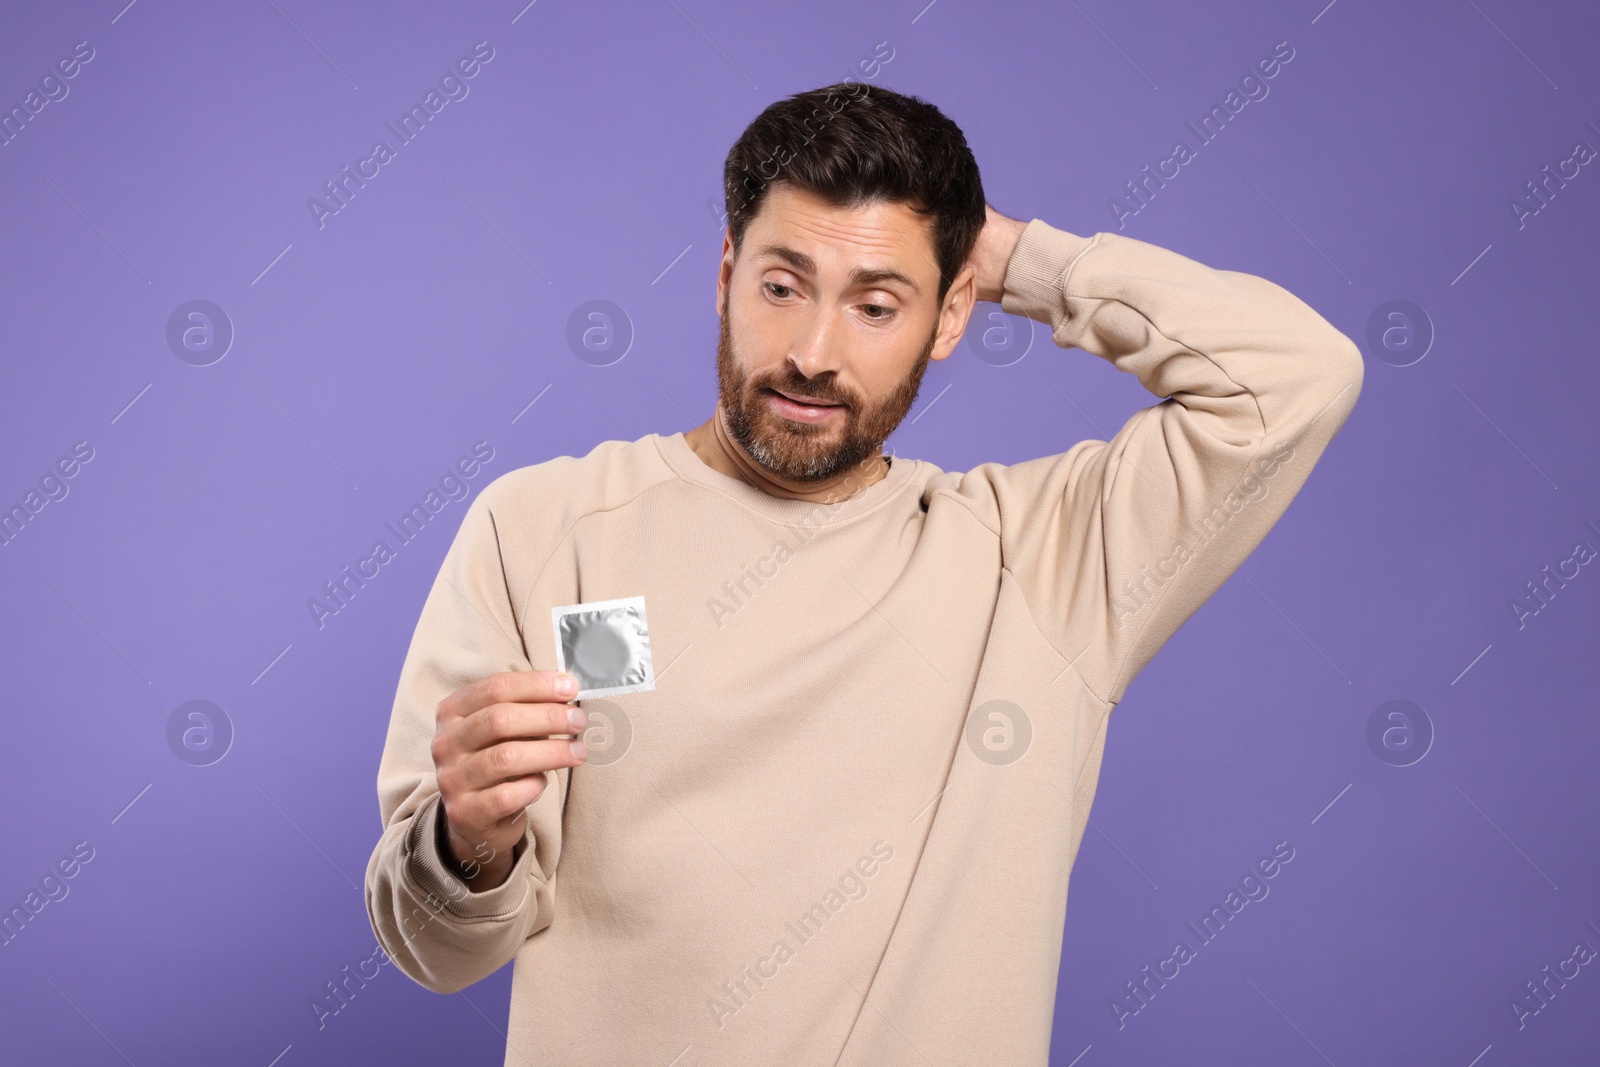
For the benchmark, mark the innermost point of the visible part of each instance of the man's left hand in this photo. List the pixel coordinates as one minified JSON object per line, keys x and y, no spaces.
{"x":996,"y":241}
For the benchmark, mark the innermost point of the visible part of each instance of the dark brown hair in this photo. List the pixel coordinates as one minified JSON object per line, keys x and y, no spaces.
{"x":851,"y":143}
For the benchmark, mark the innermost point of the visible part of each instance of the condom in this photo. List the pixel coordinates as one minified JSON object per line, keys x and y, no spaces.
{"x":605,"y":645}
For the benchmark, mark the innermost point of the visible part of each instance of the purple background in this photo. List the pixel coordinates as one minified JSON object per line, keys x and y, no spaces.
{"x":585,"y":164}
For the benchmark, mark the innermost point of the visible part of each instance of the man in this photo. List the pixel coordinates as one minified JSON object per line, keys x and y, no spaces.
{"x":838,"y":830}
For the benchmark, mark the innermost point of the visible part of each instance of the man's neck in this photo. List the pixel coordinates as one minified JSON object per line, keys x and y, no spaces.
{"x":712,"y":443}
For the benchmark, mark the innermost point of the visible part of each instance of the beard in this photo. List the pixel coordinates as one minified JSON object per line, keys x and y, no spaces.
{"x":804,"y":453}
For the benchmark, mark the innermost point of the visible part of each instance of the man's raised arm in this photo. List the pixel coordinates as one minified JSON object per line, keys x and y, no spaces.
{"x":1117,"y":543}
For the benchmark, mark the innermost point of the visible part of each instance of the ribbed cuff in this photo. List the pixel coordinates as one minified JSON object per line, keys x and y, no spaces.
{"x":1036,"y":274}
{"x":433,"y":880}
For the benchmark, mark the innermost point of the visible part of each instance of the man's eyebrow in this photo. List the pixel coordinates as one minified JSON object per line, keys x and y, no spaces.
{"x":860,"y":276}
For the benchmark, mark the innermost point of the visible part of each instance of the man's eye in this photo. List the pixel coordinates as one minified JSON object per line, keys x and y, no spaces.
{"x":774,"y":285}
{"x":878,"y":307}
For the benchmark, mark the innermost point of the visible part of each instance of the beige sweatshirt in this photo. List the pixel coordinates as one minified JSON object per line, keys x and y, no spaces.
{"x":839,"y":829}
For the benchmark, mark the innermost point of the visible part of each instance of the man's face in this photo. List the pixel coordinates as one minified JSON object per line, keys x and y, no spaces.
{"x":833,"y":306}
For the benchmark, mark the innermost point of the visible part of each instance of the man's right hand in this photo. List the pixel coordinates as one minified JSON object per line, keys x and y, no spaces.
{"x":495,"y":740}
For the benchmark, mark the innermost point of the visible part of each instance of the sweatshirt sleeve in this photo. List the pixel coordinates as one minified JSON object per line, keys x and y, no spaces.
{"x":1116,"y":544}
{"x":436,"y":930}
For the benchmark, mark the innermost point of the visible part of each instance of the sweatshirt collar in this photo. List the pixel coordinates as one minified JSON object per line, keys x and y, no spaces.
{"x":683,"y":459}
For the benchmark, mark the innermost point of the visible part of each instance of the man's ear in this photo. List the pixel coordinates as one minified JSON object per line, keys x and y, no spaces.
{"x":724,"y":269}
{"x":953,"y":315}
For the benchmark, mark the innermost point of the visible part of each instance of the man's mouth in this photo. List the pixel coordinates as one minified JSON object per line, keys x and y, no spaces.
{"x":800,"y":408}
{"x":805,"y":401}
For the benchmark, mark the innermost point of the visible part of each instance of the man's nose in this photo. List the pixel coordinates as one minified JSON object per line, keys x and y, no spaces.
{"x":817,"y":349}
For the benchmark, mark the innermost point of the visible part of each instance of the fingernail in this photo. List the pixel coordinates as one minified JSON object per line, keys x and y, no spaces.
{"x":580,"y":750}
{"x":576,"y":718}
{"x":567,"y":685}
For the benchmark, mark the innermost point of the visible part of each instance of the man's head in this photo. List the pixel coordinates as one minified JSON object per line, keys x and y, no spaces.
{"x":852,"y":211}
